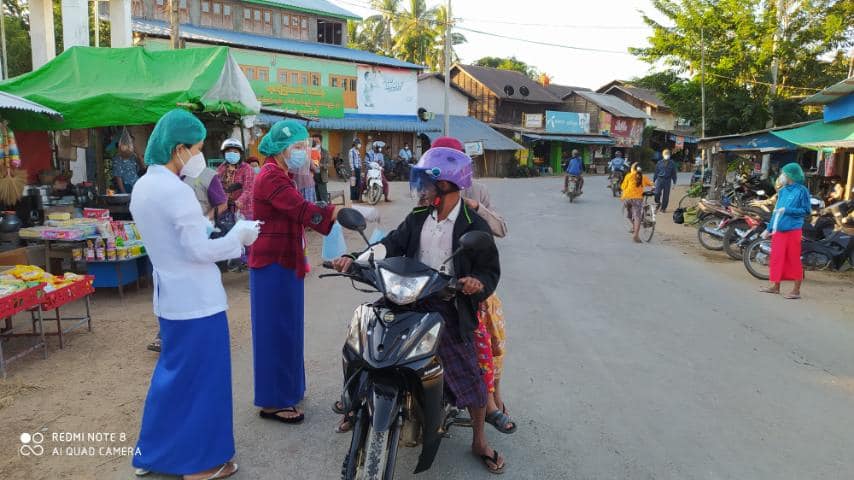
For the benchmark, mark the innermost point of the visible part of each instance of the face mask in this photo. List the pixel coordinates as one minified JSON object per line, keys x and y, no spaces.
{"x":194,"y":166}
{"x":782,"y":181}
{"x":297,"y":159}
{"x":666,"y":157}
{"x":257,"y":170}
{"x":232,"y":158}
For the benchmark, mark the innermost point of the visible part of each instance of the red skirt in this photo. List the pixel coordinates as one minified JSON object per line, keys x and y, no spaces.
{"x":785,"y":263}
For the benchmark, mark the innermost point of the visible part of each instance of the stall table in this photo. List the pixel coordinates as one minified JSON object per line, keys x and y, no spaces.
{"x":10,"y":305}
{"x":79,"y":290}
{"x":118,"y":273}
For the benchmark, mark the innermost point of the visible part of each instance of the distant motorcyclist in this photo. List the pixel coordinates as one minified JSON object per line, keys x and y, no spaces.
{"x":618,"y":166}
{"x":574,"y":168}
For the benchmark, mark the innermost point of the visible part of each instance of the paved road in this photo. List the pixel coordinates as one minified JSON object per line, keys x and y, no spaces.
{"x":625,"y":362}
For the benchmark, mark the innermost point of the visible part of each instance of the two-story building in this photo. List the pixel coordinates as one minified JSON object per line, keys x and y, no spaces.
{"x":530,"y":112}
{"x":295,"y":54}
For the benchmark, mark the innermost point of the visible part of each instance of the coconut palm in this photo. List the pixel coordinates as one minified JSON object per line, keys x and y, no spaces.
{"x":436,"y":59}
{"x":383,"y":23}
{"x":416,"y":33}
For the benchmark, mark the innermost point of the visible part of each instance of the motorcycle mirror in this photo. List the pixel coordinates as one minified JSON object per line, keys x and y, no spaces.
{"x":352,"y":219}
{"x":476,"y":241}
{"x":760,"y":192}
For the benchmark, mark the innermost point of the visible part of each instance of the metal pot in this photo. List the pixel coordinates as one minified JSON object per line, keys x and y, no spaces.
{"x":10,"y":223}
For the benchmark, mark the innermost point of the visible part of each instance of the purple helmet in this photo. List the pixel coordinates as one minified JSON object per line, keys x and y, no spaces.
{"x":442,"y":163}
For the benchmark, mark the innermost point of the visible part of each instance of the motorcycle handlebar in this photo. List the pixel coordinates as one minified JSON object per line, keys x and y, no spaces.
{"x":328,"y":265}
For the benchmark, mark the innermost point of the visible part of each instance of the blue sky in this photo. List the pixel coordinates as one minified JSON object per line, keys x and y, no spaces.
{"x":612,"y":25}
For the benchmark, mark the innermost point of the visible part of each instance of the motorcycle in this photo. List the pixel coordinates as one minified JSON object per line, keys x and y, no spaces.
{"x":341,"y":168}
{"x":714,"y":220}
{"x":374,"y":183}
{"x":616,"y":182}
{"x":746,"y":229}
{"x":572,"y":190}
{"x":831,"y":252}
{"x":393,"y":378}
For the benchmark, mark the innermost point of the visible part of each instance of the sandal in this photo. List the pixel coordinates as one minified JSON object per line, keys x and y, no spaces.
{"x":226,"y":470}
{"x":792,"y":296}
{"x":500,"y":420}
{"x":338,"y":407}
{"x":154,"y":346}
{"x":770,"y":290}
{"x":486,"y":459}
{"x":346,"y":424}
{"x":275,"y":415}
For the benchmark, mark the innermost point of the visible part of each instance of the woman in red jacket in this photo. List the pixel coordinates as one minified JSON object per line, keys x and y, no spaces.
{"x":278,"y":266}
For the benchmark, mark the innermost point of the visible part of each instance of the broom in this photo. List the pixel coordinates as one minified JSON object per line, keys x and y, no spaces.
{"x":12,"y":180}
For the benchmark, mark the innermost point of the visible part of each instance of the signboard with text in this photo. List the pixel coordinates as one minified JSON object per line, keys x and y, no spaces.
{"x":321,"y":102}
{"x":532,"y":120}
{"x":387,"y":91}
{"x":567,"y":122}
{"x":474,"y":149}
{"x":627,"y":132}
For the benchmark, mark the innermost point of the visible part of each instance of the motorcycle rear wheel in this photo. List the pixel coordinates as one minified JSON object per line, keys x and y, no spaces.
{"x":375,"y":192}
{"x":732,"y":238}
{"x":708,"y":240}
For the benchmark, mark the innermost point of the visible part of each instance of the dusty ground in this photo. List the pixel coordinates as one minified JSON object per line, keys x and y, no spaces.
{"x":690,"y":375}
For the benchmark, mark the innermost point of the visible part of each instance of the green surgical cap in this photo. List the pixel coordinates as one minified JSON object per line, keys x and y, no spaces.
{"x":282,"y":135}
{"x":794,"y":172}
{"x":178,"y":127}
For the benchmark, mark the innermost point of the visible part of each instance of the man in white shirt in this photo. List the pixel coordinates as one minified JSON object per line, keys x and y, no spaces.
{"x":355,"y":171}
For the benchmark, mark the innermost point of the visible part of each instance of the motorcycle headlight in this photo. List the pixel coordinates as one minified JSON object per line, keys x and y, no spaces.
{"x":402,"y":290}
{"x":355,"y":333}
{"x":427,"y":344}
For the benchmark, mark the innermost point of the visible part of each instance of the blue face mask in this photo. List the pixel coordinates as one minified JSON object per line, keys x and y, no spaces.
{"x":257,"y":170}
{"x":297,"y":159}
{"x":232,"y":158}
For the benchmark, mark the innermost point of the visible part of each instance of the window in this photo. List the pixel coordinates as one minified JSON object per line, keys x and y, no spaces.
{"x":216,"y":14}
{"x":161,"y":10}
{"x":297,"y":77}
{"x":256,"y":73}
{"x":348,"y":84}
{"x":329,"y":32}
{"x":136,"y":8}
{"x":294,"y":26}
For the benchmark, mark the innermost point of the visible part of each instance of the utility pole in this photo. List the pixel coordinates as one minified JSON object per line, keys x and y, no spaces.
{"x":448,"y":21}
{"x":96,"y":4}
{"x":702,"y":82}
{"x":174,"y":22}
{"x":775,"y":62}
{"x":4,"y":72}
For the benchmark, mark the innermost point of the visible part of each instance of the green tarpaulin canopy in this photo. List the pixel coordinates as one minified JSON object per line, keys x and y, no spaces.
{"x":100,"y":87}
{"x":821,"y":135}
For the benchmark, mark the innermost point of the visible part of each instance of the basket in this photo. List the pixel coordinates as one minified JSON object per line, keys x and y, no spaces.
{"x":20,"y":301}
{"x":68,"y":294}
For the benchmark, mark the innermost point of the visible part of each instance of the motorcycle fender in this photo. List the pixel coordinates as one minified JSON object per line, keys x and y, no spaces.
{"x":433,"y":412}
{"x":385,"y":404}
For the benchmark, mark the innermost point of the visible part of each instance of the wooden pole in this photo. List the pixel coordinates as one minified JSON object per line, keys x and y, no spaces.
{"x":100,"y":166}
{"x":850,"y":184}
{"x":174,"y":24}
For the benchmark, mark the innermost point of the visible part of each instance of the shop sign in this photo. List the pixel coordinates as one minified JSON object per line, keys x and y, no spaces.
{"x":567,"y":122}
{"x":626,"y":132}
{"x":532,"y":120}
{"x":321,"y":102}
{"x":387,"y":91}
{"x":604,"y":123}
{"x":474,"y":149}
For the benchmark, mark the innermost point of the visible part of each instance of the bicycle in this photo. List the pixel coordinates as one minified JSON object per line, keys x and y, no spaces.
{"x":647,"y":218}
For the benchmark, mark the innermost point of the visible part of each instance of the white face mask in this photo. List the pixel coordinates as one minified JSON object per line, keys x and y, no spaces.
{"x":194,"y":166}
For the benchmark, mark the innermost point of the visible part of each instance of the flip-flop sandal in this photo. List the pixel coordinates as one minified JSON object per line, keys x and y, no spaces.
{"x":789,"y":296}
{"x":275,"y":415}
{"x":338,"y":407}
{"x":221,"y":473}
{"x":769,"y":290}
{"x":494,"y":459}
{"x":141,"y":472}
{"x":500,"y":420}
{"x":346,"y":424}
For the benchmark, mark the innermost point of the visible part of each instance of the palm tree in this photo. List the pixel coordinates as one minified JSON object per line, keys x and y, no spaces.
{"x":383,"y":23}
{"x":416,"y":33}
{"x":436,"y":59}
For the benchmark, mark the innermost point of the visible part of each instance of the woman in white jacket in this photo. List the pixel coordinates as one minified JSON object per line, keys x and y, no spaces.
{"x":187,"y":421}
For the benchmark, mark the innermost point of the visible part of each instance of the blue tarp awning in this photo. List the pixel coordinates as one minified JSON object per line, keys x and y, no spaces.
{"x":760,"y":142}
{"x":580,"y":139}
{"x":377,"y":123}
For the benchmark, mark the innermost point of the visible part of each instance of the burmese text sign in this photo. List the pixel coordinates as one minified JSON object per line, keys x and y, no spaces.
{"x":321,"y":102}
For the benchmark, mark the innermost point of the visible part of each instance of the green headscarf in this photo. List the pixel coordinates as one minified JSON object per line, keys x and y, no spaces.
{"x":178,"y":127}
{"x":282,"y":135}
{"x":794,"y":172}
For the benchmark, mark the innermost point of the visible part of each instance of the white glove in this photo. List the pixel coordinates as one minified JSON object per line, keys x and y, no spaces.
{"x":371,"y":214}
{"x":245,"y":231}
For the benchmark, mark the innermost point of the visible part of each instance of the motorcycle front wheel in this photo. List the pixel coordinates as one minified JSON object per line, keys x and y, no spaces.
{"x":375,"y":192}
{"x":372,"y":454}
{"x":757,"y":258}
{"x":709,"y":235}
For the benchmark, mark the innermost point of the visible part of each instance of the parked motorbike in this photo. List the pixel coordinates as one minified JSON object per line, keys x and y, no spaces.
{"x":374,"y":183}
{"x":341,"y":168}
{"x":714,"y":219}
{"x":828,"y":253}
{"x":745,"y":229}
{"x":572,"y":190}
{"x":393,"y":378}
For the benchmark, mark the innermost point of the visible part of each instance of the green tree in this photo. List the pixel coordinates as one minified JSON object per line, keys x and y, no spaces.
{"x":511,"y":63}
{"x":416,"y":33}
{"x":742,"y":39}
{"x":436,"y":60}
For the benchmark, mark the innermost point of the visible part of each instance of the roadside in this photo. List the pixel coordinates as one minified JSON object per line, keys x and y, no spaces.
{"x":832,"y":289}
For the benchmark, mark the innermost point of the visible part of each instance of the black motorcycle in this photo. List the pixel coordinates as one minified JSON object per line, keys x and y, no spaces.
{"x":393,"y":379}
{"x":616,"y":182}
{"x":341,"y":168}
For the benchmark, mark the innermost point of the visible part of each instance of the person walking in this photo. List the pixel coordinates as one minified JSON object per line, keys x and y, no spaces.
{"x":277,"y":269}
{"x":320,"y":156}
{"x":665,"y":173}
{"x":237,"y":177}
{"x":787,"y":221}
{"x":633,"y":186}
{"x":355,"y":171}
{"x":187,"y":426}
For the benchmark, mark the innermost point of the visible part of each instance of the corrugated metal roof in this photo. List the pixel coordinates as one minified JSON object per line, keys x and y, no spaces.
{"x":14,"y":102}
{"x":580,"y":139}
{"x":496,"y":80}
{"x":259,"y":42}
{"x":613,"y":105}
{"x":377,"y":123}
{"x":563,"y":90}
{"x":322,"y":7}
{"x":832,"y":93}
{"x":470,"y":129}
{"x":644,"y":94}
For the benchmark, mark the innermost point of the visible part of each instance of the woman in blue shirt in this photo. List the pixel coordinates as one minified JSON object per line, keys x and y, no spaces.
{"x":793,"y":206}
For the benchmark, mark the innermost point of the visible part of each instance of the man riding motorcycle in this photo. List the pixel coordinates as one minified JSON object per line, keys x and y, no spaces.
{"x":618,"y":167}
{"x":574,"y":168}
{"x":431,"y":235}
